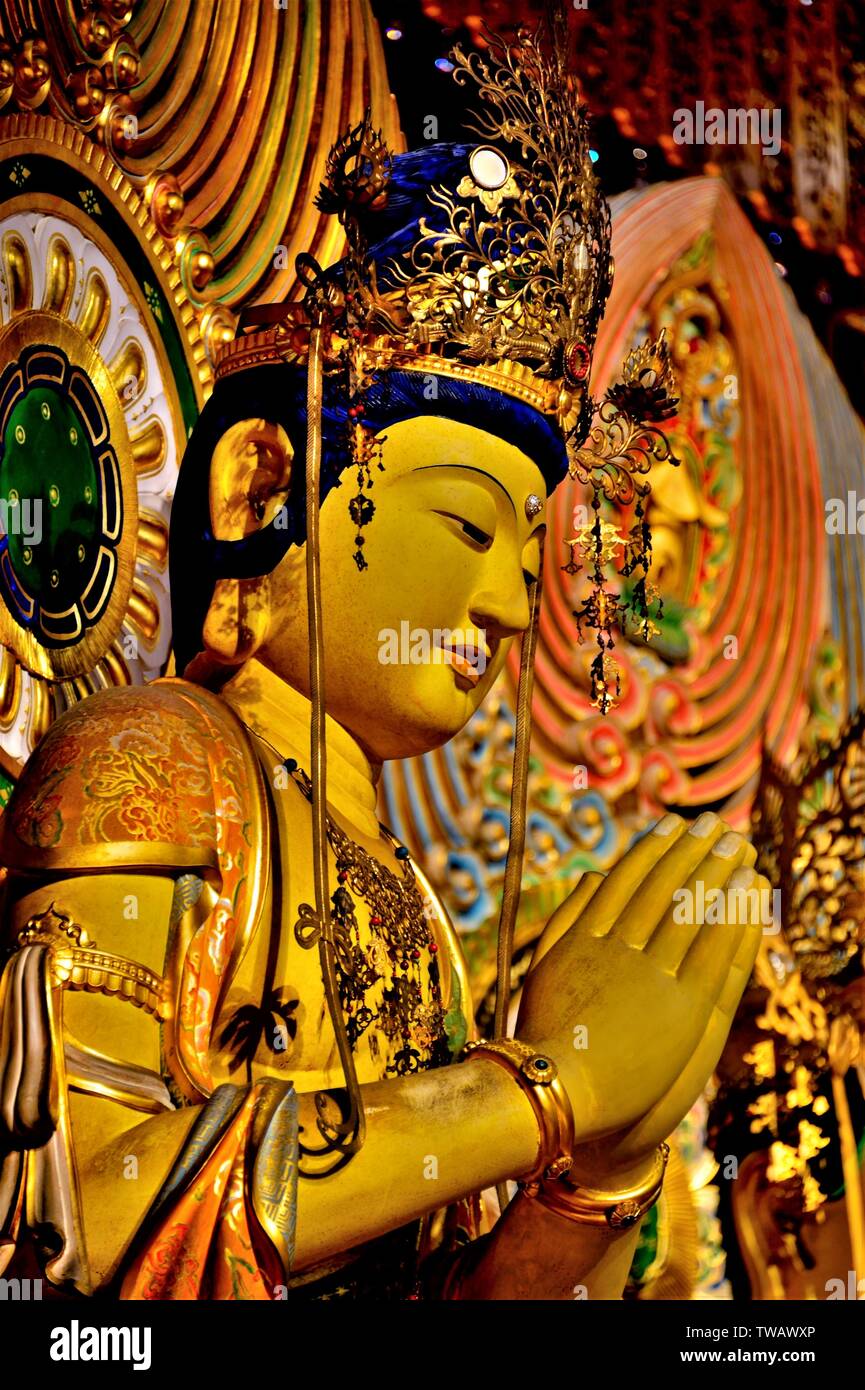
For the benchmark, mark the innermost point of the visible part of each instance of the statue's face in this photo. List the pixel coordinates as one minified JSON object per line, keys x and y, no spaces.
{"x":414,"y":642}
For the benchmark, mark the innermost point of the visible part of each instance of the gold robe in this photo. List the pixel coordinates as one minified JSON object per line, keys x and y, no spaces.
{"x":193,"y":996}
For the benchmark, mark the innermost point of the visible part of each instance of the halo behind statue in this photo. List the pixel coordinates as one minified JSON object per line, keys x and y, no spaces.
{"x":103,"y":377}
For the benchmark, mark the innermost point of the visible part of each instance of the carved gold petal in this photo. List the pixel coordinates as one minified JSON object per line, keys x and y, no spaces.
{"x":27,"y":134}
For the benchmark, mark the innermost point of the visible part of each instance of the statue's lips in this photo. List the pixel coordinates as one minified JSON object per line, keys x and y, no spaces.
{"x":468,"y":662}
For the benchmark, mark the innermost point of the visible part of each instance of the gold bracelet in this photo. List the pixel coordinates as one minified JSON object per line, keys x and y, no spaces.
{"x":538,"y":1077}
{"x":621,"y":1210}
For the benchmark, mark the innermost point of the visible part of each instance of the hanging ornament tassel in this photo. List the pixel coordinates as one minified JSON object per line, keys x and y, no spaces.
{"x":600,"y":612}
{"x":619,"y":449}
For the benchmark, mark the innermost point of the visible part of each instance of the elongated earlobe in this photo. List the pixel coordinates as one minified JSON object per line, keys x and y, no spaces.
{"x":250,"y":477}
{"x":238,"y":620}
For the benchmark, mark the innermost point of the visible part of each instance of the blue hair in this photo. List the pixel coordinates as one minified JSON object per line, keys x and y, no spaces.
{"x":392,"y":230}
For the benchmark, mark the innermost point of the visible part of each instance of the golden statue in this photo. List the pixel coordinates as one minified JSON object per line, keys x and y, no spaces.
{"x":232,"y":1007}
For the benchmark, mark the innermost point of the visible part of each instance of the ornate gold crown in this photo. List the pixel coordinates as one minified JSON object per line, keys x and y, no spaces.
{"x":508,"y":278}
{"x":503,"y":283}
{"x":507,"y":281}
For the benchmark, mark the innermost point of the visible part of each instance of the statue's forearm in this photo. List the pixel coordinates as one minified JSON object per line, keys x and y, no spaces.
{"x":431,"y":1139}
{"x":535,"y":1254}
{"x":436,"y":1137}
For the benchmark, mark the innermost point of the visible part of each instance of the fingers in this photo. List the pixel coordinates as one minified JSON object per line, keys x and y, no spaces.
{"x":740,"y":971}
{"x":564,"y":916}
{"x":623,"y":881}
{"x":665,"y":874}
{"x":722,"y":947}
{"x":684,"y":919}
{"x":714,"y":942}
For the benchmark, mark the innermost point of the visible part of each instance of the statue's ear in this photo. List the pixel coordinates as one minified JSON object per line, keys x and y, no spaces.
{"x":250,"y":476}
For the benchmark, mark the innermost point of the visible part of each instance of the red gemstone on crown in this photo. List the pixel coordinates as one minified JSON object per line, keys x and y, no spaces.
{"x":577,"y":361}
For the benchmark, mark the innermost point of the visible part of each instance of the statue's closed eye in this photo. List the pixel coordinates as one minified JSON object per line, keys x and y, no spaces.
{"x":474,"y":533}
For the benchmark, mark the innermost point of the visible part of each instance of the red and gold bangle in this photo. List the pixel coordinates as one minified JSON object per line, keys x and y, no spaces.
{"x":591,"y":1206}
{"x":538,"y":1077}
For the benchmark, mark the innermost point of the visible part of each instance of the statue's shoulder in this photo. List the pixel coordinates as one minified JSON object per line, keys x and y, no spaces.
{"x":141,"y":776}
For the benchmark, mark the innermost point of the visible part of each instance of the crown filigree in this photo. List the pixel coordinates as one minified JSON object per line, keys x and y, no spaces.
{"x":357,"y":170}
{"x":517,"y":265}
{"x":513,"y":264}
{"x":645,"y":391}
